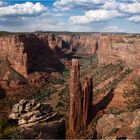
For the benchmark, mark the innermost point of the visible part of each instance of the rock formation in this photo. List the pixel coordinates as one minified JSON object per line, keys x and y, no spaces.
{"x":12,"y":49}
{"x":87,"y":100}
{"x":31,"y":112}
{"x":29,"y":53}
{"x":80,"y":101}
{"x":121,"y":126}
{"x":113,"y":48}
{"x":34,"y":120}
{"x":76,"y":108}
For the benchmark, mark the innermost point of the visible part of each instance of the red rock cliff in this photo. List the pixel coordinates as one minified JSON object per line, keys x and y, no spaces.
{"x":29,"y":53}
{"x":124,"y":48}
{"x":12,"y":49}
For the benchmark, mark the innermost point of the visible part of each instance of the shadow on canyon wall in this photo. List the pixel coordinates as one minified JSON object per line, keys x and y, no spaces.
{"x":40,"y":58}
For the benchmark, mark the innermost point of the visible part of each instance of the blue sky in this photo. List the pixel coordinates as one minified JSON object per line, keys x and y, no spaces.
{"x":70,"y":15}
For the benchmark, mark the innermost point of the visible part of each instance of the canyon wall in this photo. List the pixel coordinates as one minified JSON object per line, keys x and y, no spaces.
{"x":82,"y":44}
{"x":123,"y":48}
{"x":110,"y":48}
{"x":30,"y":53}
{"x":45,"y":52}
{"x":12,"y":50}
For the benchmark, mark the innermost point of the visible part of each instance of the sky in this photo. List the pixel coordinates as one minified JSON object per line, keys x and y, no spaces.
{"x":70,"y":15}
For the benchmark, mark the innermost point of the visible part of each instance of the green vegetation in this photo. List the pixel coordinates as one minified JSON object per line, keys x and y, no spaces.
{"x":56,"y":80}
{"x":41,"y":94}
{"x":137,"y":132}
{"x":65,"y":74}
{"x":63,"y":104}
{"x":133,"y":97}
{"x":115,"y":111}
{"x":113,"y":130}
{"x":7,"y":131}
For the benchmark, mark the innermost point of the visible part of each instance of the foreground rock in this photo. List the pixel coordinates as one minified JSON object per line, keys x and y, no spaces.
{"x":119,"y":126}
{"x":50,"y":130}
{"x":30,"y":112}
{"x":35,"y":120}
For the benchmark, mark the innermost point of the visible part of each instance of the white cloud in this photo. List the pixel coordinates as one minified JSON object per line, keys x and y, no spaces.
{"x":110,"y":5}
{"x":132,"y":8}
{"x":69,"y":4}
{"x":135,"y":18}
{"x":112,"y":29}
{"x":27,"y":8}
{"x":94,"y":16}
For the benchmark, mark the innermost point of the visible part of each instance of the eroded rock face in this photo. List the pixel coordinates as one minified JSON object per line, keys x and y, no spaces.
{"x":37,"y":120}
{"x":31,"y":112}
{"x":75,"y":117}
{"x":80,"y":100}
{"x":30,"y":53}
{"x":123,"y":48}
{"x":12,"y":49}
{"x":83,"y":44}
{"x":87,"y":100}
{"x":122,"y":125}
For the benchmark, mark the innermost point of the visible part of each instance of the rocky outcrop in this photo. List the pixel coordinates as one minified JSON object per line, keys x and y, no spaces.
{"x":121,"y":126}
{"x":49,"y":130}
{"x":80,"y":100}
{"x":31,"y":112}
{"x":37,"y":120}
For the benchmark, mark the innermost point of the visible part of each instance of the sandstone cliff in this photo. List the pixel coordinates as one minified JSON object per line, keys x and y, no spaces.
{"x":123,"y":48}
{"x":110,"y":48}
{"x":29,"y":53}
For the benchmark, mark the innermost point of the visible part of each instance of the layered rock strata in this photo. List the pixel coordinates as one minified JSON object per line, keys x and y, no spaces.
{"x":31,"y":112}
{"x":30,"y":53}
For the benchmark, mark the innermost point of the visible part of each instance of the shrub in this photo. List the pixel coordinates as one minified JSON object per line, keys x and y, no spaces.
{"x":137,"y":131}
{"x":115,"y":111}
{"x":113,"y":130}
{"x":59,"y":104}
{"x":133,"y":97}
{"x":3,"y":125}
{"x":7,"y":131}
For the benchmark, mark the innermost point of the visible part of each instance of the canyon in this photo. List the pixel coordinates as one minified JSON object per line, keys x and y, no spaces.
{"x":82,"y":76}
{"x":22,"y":51}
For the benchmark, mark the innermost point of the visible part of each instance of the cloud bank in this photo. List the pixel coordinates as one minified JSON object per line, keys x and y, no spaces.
{"x":70,"y":15}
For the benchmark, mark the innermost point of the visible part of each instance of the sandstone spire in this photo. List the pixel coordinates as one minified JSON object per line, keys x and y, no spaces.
{"x":80,"y":100}
{"x":75,"y":118}
{"x":87,"y":99}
